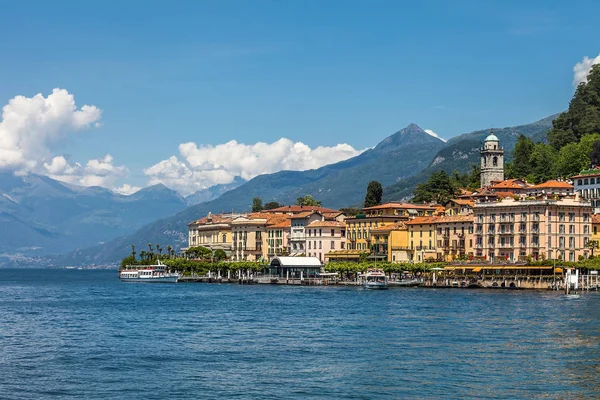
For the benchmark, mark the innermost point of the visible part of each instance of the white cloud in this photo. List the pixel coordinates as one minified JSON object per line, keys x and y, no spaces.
{"x":96,"y":172}
{"x":126,"y":189}
{"x":204,"y":166}
{"x":31,"y":126}
{"x":582,"y":69}
{"x":435,"y":135}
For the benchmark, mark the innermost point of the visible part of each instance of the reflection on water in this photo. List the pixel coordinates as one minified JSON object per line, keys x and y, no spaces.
{"x":72,"y":333}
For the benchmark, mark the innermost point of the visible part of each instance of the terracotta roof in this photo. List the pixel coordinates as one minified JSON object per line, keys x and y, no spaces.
{"x":463,"y":202}
{"x":215,"y":219}
{"x":510,"y":184}
{"x":399,"y":226}
{"x":304,"y":214}
{"x":332,"y":224}
{"x":398,"y":205}
{"x":554,"y":184}
{"x":422,"y":221}
{"x":455,"y":218}
{"x":332,"y":214}
{"x":298,"y":209}
{"x":285,"y":224}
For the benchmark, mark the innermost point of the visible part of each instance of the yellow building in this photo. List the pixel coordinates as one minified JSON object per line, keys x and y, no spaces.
{"x":360,"y":226}
{"x":422,"y":237}
{"x":392,"y":241}
{"x":250,"y":235}
{"x":454,"y":237}
{"x":212,"y":232}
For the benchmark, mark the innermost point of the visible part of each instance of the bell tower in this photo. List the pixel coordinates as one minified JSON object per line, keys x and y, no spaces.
{"x":492,"y":160}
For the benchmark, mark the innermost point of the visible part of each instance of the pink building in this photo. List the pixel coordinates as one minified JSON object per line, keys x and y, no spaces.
{"x":323,"y":237}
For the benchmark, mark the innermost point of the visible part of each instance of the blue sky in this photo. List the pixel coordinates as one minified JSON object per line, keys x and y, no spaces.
{"x":317,"y":72}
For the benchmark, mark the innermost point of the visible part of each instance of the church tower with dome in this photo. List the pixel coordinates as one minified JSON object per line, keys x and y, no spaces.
{"x":492,"y":160}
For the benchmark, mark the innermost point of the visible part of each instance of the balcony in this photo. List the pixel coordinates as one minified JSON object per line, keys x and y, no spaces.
{"x":535,"y":218}
{"x":507,"y":232}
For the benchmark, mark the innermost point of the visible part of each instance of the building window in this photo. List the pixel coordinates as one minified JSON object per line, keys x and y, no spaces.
{"x":320,"y":245}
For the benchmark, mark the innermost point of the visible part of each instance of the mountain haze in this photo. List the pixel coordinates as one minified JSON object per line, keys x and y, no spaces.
{"x":40,"y":215}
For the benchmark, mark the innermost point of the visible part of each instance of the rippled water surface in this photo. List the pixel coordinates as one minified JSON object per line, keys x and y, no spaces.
{"x":84,"y":334}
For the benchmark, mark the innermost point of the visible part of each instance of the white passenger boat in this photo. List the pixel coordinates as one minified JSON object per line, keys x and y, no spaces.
{"x":375,"y":279}
{"x":156,"y":273}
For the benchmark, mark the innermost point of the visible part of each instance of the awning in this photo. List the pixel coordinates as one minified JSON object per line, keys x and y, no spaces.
{"x":476,"y":269}
{"x":558,"y":270}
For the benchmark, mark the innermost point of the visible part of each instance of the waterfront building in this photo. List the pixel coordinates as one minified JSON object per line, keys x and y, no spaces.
{"x":587,"y":185}
{"x":541,"y":228}
{"x":323,"y":236}
{"x":422,"y":237}
{"x":212,"y":232}
{"x":250,"y":235}
{"x":278,"y":236}
{"x":391,"y":241}
{"x":295,"y":267}
{"x":492,"y":161}
{"x":298,"y":234}
{"x":454,"y":237}
{"x":359,"y":227}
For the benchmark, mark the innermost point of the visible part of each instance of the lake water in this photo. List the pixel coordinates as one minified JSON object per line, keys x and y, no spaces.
{"x":84,"y":334}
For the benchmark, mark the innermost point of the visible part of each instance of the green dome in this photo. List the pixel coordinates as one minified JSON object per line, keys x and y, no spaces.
{"x":492,"y":138}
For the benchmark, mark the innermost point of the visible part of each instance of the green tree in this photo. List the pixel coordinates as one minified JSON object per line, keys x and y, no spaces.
{"x":271,"y":205}
{"x":374,"y":194}
{"x":257,"y":204}
{"x":308,"y":200}
{"x":219,"y":255}
{"x":440,"y":187}
{"x":583,"y":116}
{"x":542,"y":163}
{"x":521,"y":164}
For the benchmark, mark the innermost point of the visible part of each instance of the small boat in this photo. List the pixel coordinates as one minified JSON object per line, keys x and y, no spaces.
{"x":405,"y":282}
{"x":156,"y":273}
{"x":375,"y":279}
{"x":406,"y":279}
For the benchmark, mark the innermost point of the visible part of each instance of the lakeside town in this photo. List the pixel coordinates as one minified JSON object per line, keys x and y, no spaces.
{"x":508,"y":233}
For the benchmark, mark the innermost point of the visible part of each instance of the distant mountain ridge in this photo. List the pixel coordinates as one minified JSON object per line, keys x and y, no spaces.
{"x":213,"y":192}
{"x":40,"y":215}
{"x":462,"y":151}
{"x":398,"y":156}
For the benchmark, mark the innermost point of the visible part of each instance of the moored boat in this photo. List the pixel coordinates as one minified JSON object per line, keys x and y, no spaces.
{"x":375,"y":279}
{"x":156,"y":273}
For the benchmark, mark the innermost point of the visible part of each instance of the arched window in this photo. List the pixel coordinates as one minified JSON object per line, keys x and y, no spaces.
{"x":484,"y":161}
{"x":495,"y":161}
{"x":585,"y":181}
{"x":592,"y":181}
{"x":579,"y":182}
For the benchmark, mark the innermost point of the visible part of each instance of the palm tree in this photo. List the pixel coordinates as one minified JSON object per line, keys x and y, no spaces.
{"x":142,"y":254}
{"x":169,"y":249}
{"x":159,"y":249}
{"x":133,"y":253}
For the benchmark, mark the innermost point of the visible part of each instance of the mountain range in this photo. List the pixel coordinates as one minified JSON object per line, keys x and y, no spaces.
{"x":399,"y":162}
